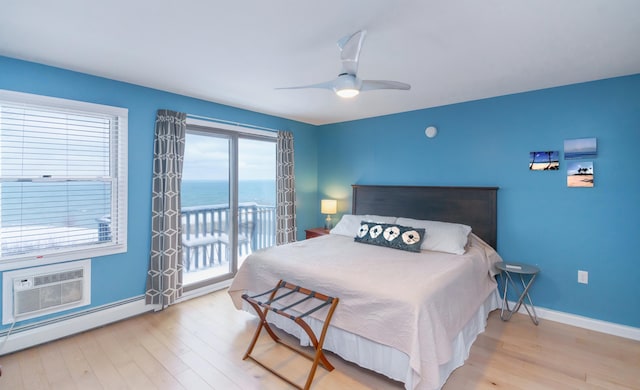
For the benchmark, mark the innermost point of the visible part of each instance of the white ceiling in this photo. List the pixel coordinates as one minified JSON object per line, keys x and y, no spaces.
{"x":238,"y":52}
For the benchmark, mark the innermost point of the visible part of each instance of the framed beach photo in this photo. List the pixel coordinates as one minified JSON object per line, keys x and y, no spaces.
{"x":544,"y":161}
{"x":580,"y":148}
{"x":580,"y":174}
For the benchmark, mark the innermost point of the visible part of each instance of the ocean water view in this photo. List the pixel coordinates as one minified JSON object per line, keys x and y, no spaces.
{"x":77,"y":204}
{"x":83,"y":204}
{"x":209,"y":192}
{"x":578,"y":155}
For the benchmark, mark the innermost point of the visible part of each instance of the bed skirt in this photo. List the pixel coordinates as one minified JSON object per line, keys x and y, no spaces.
{"x":383,"y":359}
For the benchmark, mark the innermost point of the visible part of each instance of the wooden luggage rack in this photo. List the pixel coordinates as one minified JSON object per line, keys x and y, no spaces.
{"x":262,"y":308}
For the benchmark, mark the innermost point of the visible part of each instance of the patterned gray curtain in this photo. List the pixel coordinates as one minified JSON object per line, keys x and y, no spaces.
{"x":285,"y":188}
{"x":164,"y":278}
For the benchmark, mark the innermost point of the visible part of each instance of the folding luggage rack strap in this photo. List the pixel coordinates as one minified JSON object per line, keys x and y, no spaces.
{"x":262,"y":308}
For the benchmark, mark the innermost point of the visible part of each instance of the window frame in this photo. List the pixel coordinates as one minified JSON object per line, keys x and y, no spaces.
{"x":118,"y":162}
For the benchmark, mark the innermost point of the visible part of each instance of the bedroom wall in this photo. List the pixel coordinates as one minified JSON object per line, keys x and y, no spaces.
{"x":540,"y":220}
{"x":123,"y":276}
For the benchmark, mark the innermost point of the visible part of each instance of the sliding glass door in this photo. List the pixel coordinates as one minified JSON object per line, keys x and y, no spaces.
{"x":256,"y":195}
{"x":227,"y":202}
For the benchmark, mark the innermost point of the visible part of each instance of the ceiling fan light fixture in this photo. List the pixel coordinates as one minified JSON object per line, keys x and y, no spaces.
{"x":346,"y":86}
{"x":347,"y":92}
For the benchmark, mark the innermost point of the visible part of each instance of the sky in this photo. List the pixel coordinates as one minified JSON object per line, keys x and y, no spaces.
{"x":70,"y":145}
{"x":573,"y":166}
{"x":543,"y":156}
{"x":580,"y":145}
{"x":207,"y":158}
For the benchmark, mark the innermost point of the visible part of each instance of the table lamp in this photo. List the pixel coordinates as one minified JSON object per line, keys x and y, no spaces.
{"x":328,"y":206}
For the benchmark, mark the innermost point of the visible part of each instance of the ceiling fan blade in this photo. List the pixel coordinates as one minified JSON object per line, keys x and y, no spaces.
{"x":325,"y":85}
{"x":369,"y":85}
{"x":348,"y":84}
{"x":350,"y":47}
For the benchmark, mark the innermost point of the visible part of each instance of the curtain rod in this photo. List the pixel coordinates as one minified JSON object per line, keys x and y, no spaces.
{"x":224,"y":121}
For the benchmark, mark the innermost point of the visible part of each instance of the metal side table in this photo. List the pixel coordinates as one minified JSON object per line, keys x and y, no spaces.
{"x":525,"y":272}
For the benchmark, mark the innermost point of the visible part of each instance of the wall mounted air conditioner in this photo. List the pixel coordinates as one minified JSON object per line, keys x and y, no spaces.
{"x":34,"y":292}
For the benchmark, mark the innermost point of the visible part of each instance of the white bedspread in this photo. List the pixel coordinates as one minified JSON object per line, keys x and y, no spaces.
{"x":414,"y":302}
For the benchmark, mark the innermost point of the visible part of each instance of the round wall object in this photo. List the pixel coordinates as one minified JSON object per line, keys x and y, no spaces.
{"x":431,"y":131}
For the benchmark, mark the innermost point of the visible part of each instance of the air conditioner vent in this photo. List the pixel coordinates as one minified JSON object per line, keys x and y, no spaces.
{"x":57,"y":277}
{"x":34,"y":292}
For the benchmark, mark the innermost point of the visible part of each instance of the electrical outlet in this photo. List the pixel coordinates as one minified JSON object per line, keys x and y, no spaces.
{"x":583,"y":277}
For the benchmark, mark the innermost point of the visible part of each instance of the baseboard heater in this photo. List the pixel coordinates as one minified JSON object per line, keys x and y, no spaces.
{"x":38,"y":291}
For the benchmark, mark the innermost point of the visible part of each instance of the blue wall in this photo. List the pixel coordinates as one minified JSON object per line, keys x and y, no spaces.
{"x":480,"y":143}
{"x":123,"y":276}
{"x":540,"y":220}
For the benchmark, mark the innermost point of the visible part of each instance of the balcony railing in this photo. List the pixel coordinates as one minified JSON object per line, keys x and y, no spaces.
{"x":205,"y":229}
{"x":205,"y":239}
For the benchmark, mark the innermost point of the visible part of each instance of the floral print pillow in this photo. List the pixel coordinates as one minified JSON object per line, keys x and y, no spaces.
{"x":390,"y":235}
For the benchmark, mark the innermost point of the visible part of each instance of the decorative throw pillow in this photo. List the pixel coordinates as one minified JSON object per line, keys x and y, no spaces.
{"x":349,"y":224}
{"x":442,"y":236}
{"x":390,"y":235}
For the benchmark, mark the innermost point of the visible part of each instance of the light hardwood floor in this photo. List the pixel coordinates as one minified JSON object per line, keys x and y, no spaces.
{"x":198,"y":344}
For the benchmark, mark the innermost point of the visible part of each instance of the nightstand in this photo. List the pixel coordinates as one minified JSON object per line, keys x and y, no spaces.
{"x":525,"y":271}
{"x":316,"y":232}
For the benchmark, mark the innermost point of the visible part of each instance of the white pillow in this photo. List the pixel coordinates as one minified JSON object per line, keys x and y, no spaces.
{"x":440,"y":236}
{"x":350,"y":224}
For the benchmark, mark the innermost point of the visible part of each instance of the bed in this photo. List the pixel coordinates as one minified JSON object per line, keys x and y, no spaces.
{"x":409,"y":316}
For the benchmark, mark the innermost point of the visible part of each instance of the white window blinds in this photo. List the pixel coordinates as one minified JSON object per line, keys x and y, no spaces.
{"x":62,"y":178}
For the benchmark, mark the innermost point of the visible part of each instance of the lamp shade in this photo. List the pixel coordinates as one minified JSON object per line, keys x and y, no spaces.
{"x":328,"y":206}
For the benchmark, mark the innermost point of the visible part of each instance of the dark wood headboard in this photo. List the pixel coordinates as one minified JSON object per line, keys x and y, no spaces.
{"x":473,"y":206}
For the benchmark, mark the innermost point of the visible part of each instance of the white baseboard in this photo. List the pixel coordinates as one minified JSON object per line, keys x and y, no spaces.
{"x":611,"y":328}
{"x":33,"y":335}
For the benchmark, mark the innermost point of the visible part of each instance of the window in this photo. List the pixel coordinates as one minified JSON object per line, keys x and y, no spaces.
{"x":63,"y":179}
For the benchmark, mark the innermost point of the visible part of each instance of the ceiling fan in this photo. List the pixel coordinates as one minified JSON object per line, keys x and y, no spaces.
{"x":348,"y":84}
